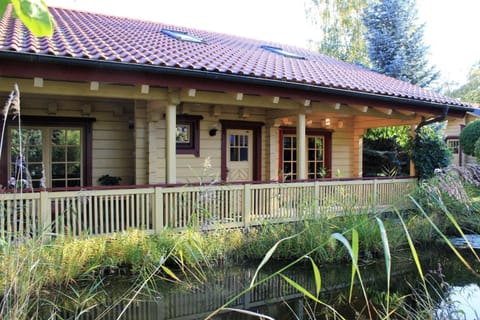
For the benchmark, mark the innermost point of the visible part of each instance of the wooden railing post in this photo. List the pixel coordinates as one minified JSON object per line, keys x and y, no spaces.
{"x":158,"y":210}
{"x":45,"y":213}
{"x":316,"y":198}
{"x":247,"y":204}
{"x":375,"y":189}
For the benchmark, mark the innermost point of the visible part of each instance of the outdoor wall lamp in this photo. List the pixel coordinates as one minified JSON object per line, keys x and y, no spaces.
{"x":213,"y":131}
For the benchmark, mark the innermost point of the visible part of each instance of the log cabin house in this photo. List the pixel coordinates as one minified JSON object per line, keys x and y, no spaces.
{"x":259,"y":126}
{"x":452,"y":136}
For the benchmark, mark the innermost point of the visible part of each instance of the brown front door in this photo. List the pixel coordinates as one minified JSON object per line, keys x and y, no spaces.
{"x":239,"y":155}
{"x":241,"y":150}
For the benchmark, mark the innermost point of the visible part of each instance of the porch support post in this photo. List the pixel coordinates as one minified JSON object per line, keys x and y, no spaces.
{"x":154,"y":111}
{"x":301,"y":147}
{"x":412,"y":165}
{"x":171,"y":134}
{"x":171,"y":141}
{"x":357,"y":156}
{"x":274,"y":152}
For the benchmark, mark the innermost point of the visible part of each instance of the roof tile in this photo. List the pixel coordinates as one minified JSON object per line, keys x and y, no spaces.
{"x":84,"y":35}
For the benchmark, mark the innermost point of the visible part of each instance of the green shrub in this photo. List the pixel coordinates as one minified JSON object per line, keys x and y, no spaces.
{"x":477,"y":150}
{"x":430,"y":152}
{"x":469,"y":136}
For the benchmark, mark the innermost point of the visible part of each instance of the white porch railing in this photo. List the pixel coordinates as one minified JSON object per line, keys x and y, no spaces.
{"x":154,"y":208}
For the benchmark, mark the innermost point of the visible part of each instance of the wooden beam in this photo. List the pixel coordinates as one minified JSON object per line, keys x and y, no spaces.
{"x":82,"y":89}
{"x":38,"y":82}
{"x":94,"y":85}
{"x":380,"y":113}
{"x":145,"y":89}
{"x":330,"y":107}
{"x":276,"y":114}
{"x":192,"y":92}
{"x":227,"y":98}
{"x":365,"y":123}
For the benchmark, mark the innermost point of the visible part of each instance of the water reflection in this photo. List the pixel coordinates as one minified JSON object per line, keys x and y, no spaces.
{"x":462,"y":302}
{"x":473,"y":240}
{"x":278,"y":299}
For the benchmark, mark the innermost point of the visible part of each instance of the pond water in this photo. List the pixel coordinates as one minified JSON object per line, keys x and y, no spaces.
{"x":470,"y":239}
{"x":279,"y":300}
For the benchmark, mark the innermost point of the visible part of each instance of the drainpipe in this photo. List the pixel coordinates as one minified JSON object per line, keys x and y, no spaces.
{"x":425,"y":122}
{"x":440,"y":118}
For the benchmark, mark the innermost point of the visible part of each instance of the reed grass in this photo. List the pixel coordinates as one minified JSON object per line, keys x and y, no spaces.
{"x":433,"y":202}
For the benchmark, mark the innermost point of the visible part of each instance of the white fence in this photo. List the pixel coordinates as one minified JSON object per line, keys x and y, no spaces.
{"x":154,"y":208}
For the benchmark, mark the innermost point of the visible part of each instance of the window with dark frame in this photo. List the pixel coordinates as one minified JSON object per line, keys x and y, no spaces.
{"x":52,"y":156}
{"x":188,"y":134}
{"x":318,"y":157}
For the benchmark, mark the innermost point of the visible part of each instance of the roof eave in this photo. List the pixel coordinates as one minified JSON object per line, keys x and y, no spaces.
{"x":197,"y":73}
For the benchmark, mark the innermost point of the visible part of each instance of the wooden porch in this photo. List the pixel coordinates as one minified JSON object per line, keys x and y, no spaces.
{"x":154,"y":208}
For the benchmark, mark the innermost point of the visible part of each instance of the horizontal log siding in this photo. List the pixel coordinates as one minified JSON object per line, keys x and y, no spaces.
{"x":193,"y":169}
{"x":96,"y":212}
{"x":113,"y":142}
{"x":342,"y":150}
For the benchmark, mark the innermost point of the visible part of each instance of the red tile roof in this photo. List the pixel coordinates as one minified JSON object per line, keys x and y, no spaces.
{"x":92,"y":36}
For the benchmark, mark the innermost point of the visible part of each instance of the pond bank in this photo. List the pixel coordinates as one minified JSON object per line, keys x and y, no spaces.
{"x":278,"y":299}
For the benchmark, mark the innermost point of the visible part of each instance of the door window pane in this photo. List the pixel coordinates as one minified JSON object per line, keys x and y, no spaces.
{"x":243,"y":154}
{"x":58,"y":153}
{"x":238,"y":147}
{"x":73,"y":154}
{"x":316,"y":161}
{"x":58,"y":171}
{"x":66,"y":156}
{"x":289,"y":157}
{"x":26,"y":156}
{"x":233,"y":154}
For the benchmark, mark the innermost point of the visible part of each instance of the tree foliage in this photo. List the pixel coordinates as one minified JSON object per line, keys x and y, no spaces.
{"x":341,"y":28}
{"x":395,"y":41}
{"x":400,"y":134}
{"x":469,"y":136}
{"x":430,"y":152}
{"x":470,"y":91}
{"x":477,"y":150}
{"x":33,"y":13}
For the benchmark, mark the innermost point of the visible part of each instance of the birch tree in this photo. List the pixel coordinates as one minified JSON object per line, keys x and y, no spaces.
{"x":340,"y":28}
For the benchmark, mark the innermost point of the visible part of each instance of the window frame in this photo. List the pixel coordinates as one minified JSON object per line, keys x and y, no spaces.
{"x":85,"y":124}
{"x":327,"y":136}
{"x":449,"y":139}
{"x":182,"y":35}
{"x":193,"y":146}
{"x":283,"y":52}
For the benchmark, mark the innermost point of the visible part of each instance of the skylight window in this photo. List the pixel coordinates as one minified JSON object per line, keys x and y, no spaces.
{"x":282,"y":52}
{"x":181,"y":35}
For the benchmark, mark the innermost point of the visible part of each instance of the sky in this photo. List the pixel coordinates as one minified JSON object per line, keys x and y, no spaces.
{"x":450,"y":26}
